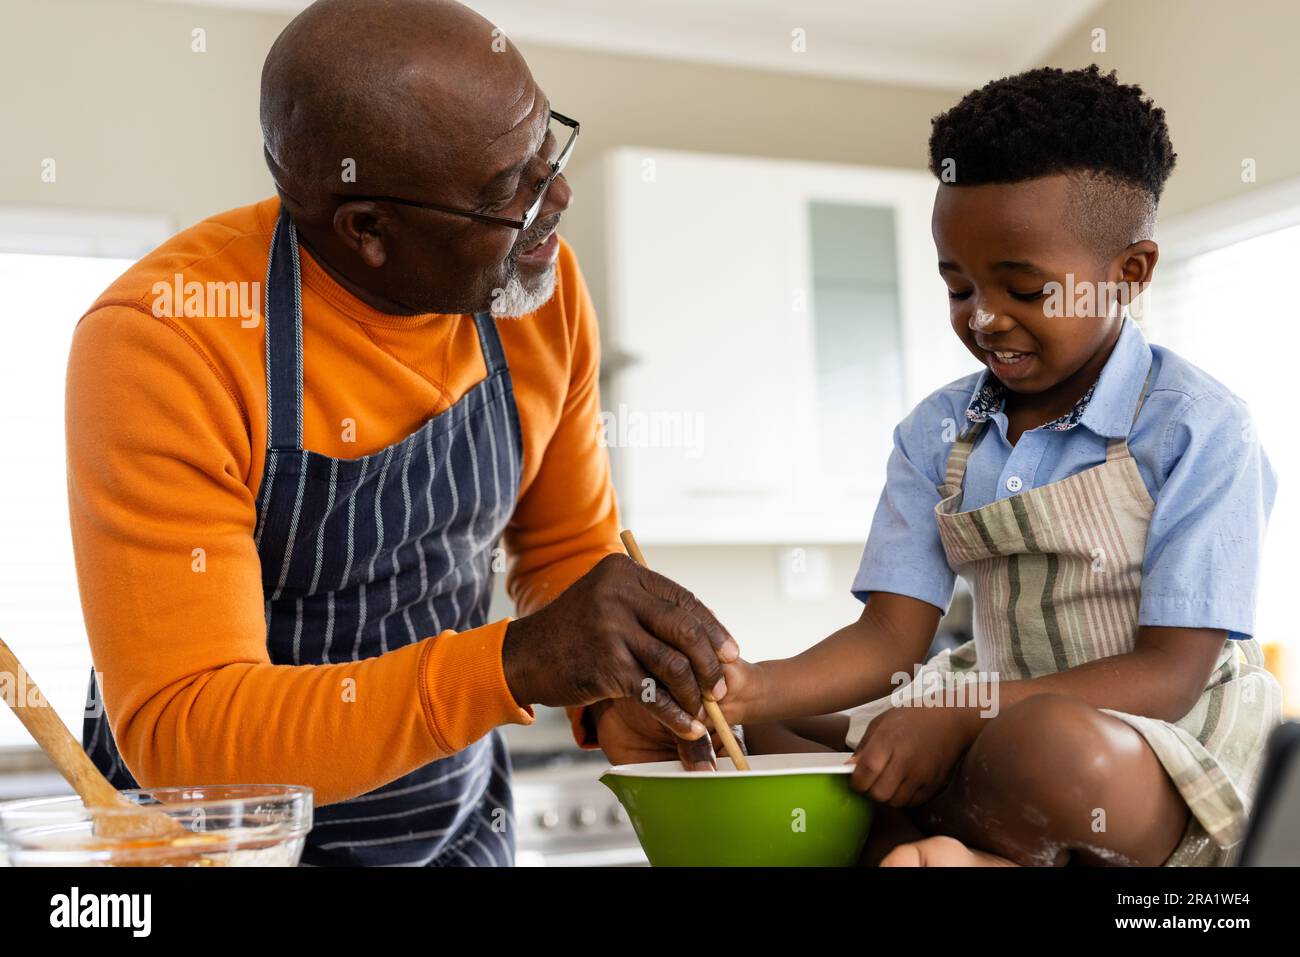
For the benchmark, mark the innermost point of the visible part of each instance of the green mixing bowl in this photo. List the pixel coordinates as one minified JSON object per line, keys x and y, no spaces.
{"x":790,"y":810}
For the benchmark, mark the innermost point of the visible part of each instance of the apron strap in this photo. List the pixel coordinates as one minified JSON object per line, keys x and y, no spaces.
{"x":1117,"y":448}
{"x":1251,"y":651}
{"x":955,"y":471}
{"x":283,"y":319}
{"x":489,"y":339}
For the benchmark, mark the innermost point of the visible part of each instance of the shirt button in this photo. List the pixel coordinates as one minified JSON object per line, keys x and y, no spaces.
{"x":1014,"y":484}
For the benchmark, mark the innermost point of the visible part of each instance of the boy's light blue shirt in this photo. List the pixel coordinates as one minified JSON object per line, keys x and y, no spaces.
{"x":1196,"y":450}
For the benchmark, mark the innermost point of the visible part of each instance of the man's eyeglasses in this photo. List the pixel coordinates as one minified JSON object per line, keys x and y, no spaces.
{"x":528,"y":216}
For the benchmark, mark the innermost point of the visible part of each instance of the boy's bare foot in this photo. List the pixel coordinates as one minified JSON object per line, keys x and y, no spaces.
{"x":941,"y":851}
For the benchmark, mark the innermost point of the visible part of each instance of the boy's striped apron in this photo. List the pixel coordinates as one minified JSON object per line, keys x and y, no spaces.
{"x":362,"y":556}
{"x":1056,"y":575}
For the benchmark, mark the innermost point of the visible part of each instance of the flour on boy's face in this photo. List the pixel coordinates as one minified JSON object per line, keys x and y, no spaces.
{"x":1004,"y":249}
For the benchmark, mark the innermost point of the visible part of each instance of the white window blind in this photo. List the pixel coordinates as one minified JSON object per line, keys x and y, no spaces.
{"x":53,"y":265}
{"x":1232,"y":310}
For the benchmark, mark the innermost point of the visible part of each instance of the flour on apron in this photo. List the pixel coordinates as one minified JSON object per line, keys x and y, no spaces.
{"x":1056,"y":575}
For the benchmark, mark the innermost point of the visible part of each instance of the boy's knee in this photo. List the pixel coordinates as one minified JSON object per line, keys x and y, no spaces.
{"x":1049,"y":749}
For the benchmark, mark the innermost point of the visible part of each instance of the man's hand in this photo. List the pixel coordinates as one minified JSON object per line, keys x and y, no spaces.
{"x":907,"y":755}
{"x":621,"y":631}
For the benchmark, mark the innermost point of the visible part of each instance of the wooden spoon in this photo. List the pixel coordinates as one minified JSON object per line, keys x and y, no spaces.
{"x":710,"y":706}
{"x":128,"y":820}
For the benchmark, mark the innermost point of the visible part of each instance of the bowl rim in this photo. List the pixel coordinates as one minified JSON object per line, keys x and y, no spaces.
{"x":782,"y":765}
{"x":250,"y":792}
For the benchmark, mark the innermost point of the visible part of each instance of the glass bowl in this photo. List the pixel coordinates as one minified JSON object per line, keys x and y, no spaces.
{"x":229,"y":825}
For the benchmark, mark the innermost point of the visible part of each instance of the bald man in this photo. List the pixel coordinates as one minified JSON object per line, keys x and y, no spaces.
{"x":287,"y":519}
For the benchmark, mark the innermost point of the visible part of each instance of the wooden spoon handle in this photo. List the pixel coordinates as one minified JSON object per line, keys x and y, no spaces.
{"x":714,"y":712}
{"x":40,"y":718}
{"x":729,"y":742}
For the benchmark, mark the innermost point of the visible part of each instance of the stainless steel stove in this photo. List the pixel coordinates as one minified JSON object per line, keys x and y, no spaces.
{"x":565,"y":816}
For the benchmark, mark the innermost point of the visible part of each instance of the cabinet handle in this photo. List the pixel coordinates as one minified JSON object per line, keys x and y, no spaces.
{"x":722,"y":491}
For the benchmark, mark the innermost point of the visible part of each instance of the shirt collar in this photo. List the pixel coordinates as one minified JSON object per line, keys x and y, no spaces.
{"x":1105,"y":409}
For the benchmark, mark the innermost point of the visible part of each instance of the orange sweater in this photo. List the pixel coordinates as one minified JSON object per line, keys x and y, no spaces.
{"x":166,"y":428}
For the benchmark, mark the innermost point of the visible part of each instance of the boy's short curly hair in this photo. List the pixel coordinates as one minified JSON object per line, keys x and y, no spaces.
{"x":1083,"y":123}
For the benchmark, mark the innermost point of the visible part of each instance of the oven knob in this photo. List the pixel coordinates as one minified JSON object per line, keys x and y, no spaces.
{"x":585,"y":816}
{"x":549,"y":819}
{"x":617,"y":815}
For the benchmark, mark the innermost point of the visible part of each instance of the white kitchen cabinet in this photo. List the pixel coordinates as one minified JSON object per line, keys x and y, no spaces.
{"x":767,"y":324}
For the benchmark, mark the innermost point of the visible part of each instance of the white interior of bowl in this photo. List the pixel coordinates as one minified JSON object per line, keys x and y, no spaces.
{"x":761,"y":765}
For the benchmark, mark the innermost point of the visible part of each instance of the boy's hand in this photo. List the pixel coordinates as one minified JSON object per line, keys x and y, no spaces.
{"x":746,"y":694}
{"x":908,"y":753}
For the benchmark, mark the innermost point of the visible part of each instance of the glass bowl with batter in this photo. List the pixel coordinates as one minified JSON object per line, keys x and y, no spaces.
{"x":226,"y":825}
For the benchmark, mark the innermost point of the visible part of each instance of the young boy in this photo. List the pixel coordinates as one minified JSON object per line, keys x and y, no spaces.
{"x":1104,"y":499}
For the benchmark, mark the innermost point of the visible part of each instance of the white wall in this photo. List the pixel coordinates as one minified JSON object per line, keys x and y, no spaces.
{"x":1224,"y":71}
{"x":137,"y":122}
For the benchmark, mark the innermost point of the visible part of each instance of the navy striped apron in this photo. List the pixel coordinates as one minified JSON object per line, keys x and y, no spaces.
{"x":362,"y":556}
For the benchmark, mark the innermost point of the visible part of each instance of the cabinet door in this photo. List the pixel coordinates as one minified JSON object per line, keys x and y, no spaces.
{"x":707,"y":292}
{"x":768,"y":308}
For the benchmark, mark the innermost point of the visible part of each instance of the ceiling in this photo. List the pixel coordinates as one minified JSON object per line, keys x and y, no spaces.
{"x":944,"y":44}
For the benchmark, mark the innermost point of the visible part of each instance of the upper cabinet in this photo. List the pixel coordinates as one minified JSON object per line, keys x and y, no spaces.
{"x":765,"y":325}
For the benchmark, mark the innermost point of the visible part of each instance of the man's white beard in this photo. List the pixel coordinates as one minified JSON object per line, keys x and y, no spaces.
{"x":517,"y":299}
